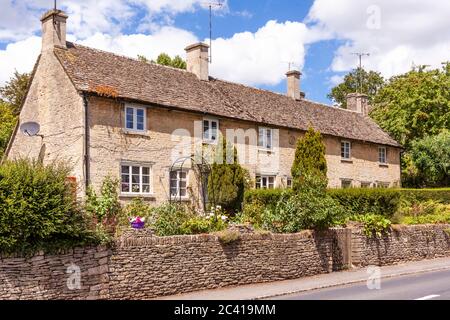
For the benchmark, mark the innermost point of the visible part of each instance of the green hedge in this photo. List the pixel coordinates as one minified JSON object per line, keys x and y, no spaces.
{"x":383,"y":202}
{"x":361,"y":201}
{"x":422,"y":195}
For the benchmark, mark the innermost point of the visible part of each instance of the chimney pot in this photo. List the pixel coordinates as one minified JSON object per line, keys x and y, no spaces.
{"x":198,"y":60}
{"x":293,"y":84}
{"x":358,"y":102}
{"x":53,"y":29}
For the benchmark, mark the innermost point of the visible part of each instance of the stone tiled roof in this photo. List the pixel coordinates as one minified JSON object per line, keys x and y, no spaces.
{"x":105,"y":73}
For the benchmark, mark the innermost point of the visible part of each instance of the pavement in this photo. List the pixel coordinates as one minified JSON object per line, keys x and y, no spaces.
{"x":292,"y":289}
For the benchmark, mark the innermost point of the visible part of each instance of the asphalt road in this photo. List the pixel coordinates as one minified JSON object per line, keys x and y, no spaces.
{"x":426,"y":286}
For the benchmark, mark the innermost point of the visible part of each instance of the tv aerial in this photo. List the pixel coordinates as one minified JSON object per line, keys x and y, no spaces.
{"x":31,"y":129}
{"x":211,"y":5}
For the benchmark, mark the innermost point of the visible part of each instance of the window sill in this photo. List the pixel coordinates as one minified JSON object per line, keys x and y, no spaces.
{"x":269,"y":151}
{"x":147,"y":196}
{"x":346,"y":160}
{"x":383,"y":165}
{"x":135,"y":133}
{"x":183,"y":199}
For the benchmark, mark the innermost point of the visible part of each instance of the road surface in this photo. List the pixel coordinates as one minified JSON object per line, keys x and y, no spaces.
{"x":426,"y":286}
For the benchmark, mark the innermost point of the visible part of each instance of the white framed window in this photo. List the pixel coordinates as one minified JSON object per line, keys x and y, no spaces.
{"x":210,"y":130}
{"x":265,"y":138}
{"x":346,"y":150}
{"x":346,"y":183}
{"x":382,"y":155}
{"x":178,"y":183}
{"x":265,"y":182}
{"x":135,"y":179}
{"x":135,"y":118}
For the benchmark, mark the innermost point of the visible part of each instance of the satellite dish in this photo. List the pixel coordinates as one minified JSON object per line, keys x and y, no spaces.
{"x":30,"y":129}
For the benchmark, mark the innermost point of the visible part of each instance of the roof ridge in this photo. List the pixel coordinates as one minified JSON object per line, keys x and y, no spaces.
{"x":128,"y":57}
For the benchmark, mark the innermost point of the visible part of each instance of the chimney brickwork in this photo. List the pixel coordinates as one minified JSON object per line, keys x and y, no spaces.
{"x":53,"y":30}
{"x":293,"y":84}
{"x":198,"y":60}
{"x":359,"y":103}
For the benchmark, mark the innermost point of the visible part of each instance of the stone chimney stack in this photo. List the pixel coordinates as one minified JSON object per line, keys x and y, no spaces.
{"x":293,"y":84}
{"x":53,"y":30}
{"x":198,"y":60}
{"x":358,"y":102}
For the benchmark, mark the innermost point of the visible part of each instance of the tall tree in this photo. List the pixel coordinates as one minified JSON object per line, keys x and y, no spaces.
{"x":414,"y":105}
{"x":309,"y":159}
{"x":13,"y":92}
{"x":371,"y":82}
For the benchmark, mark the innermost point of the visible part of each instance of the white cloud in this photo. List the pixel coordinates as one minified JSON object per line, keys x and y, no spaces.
{"x":20,"y":55}
{"x":260,"y":58}
{"x":396,"y":33}
{"x":167,"y":39}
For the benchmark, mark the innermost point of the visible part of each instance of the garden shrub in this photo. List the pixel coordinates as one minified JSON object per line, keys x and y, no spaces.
{"x":215,"y":220}
{"x":169,"y":218}
{"x":38,"y":210}
{"x":227,"y":180}
{"x":309,"y":208}
{"x":376,"y":201}
{"x":105,"y":209}
{"x":136,"y":208}
{"x":374,"y":224}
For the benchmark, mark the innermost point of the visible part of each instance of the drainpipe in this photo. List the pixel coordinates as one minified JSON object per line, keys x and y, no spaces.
{"x":86,"y":141}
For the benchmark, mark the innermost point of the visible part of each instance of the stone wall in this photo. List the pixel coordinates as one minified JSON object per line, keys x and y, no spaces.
{"x":149,"y":267}
{"x":404,"y":243}
{"x":142,"y":266}
{"x":46,"y":276}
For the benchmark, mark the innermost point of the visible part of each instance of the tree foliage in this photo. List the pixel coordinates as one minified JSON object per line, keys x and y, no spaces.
{"x":372,"y":82}
{"x":165,"y":60}
{"x":7,"y":123}
{"x":227,"y":179}
{"x":414,"y":105}
{"x":14,"y":91}
{"x":431,"y":157}
{"x":309,"y":158}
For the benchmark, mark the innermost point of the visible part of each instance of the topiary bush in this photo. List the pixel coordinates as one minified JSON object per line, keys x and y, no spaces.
{"x":38,"y":209}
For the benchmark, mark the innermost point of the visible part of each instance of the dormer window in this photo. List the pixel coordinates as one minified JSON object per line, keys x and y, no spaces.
{"x":135,"y":118}
{"x":210,"y":130}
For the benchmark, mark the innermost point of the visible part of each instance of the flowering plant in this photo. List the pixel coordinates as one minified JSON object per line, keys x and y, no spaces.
{"x":137,"y":222}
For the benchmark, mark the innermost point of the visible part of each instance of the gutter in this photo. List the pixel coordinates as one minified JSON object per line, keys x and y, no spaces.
{"x":87,"y":160}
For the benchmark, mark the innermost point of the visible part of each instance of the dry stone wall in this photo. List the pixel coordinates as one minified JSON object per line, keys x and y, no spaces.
{"x":142,"y":266}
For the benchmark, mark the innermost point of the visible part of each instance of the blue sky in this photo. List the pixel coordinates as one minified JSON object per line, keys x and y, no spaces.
{"x":252,"y":40}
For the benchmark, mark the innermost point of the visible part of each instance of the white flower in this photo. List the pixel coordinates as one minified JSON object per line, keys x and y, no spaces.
{"x":224,"y":218}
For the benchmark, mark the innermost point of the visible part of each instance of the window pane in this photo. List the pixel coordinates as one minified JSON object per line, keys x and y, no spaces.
{"x":125,"y":187}
{"x":206,"y":129}
{"x":135,"y":188}
{"x":140,"y":119}
{"x":135,"y":178}
{"x":145,"y":179}
{"x":269,"y":139}
{"x":136,"y":170}
{"x":261,"y":137}
{"x":125,"y":169}
{"x":129,"y":118}
{"x":145,"y":171}
{"x":183,"y":175}
{"x":258,"y":182}
{"x":146,"y":188}
{"x":183,"y":193}
{"x":125,"y":178}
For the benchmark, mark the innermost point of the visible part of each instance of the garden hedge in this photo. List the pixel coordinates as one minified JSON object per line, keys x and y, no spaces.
{"x":361,"y":201}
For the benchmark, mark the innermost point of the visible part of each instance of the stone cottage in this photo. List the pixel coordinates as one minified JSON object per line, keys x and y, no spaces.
{"x":111,"y":115}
